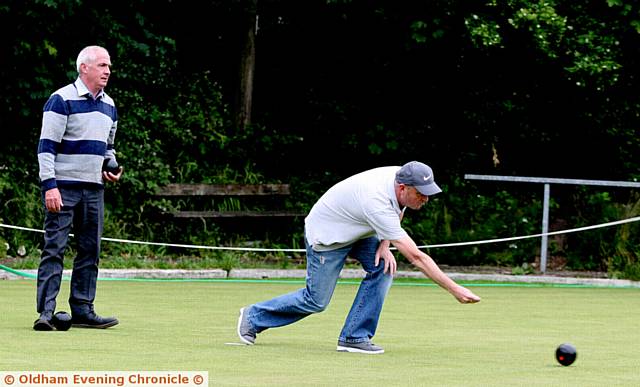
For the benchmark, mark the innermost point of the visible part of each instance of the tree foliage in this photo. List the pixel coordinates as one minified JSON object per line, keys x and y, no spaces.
{"x":513,"y":87}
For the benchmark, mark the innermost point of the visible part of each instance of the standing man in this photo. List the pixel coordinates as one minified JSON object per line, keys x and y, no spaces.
{"x":78,"y":128}
{"x":358,"y":217}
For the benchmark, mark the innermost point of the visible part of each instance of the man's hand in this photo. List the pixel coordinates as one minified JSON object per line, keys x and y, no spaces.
{"x":53,"y":200}
{"x":464,"y":295}
{"x":390,"y":264}
{"x":111,"y":176}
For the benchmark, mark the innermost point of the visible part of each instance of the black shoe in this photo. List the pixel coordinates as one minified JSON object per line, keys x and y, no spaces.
{"x":43,"y":323}
{"x":92,"y":320}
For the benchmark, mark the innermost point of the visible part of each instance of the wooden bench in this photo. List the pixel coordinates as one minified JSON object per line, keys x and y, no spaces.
{"x":248,"y":191}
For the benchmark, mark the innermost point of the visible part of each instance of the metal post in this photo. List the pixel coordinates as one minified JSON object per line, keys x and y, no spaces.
{"x":545,"y":229}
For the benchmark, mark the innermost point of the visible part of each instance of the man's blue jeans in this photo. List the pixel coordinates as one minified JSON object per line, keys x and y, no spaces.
{"x":323,"y":271}
{"x":83,"y":209}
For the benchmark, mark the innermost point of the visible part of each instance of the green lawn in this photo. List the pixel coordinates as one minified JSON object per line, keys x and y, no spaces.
{"x":508,"y":339}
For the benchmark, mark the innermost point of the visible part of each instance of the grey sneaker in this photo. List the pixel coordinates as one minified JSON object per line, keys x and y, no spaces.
{"x":363,"y":347}
{"x":245,"y":333}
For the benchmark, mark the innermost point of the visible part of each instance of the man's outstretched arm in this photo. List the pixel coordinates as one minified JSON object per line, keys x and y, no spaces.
{"x":427,"y":265}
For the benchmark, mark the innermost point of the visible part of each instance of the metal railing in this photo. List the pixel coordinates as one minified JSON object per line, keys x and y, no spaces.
{"x":547,"y":190}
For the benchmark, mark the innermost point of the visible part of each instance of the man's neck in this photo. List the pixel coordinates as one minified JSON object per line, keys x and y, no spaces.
{"x":94,"y":91}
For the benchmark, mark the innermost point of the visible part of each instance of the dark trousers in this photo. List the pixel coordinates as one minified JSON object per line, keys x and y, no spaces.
{"x":82,"y":210}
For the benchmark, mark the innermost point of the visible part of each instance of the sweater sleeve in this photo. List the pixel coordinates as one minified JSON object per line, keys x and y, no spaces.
{"x":54,"y":123}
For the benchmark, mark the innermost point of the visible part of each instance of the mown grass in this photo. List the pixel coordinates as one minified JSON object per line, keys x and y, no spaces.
{"x":508,"y":339}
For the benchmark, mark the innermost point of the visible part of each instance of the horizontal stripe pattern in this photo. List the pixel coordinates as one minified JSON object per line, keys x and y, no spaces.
{"x":48,"y":146}
{"x":83,"y":147}
{"x":91,"y":172}
{"x":77,"y":134}
{"x":57,"y":104}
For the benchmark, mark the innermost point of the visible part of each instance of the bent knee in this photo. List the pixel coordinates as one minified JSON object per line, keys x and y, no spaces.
{"x":315,"y":305}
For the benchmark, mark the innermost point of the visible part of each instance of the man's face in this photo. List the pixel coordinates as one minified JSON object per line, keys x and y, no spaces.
{"x":96,"y":74}
{"x":411,"y":197}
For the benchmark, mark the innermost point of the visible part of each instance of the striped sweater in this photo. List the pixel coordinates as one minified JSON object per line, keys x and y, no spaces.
{"x":77,"y":135}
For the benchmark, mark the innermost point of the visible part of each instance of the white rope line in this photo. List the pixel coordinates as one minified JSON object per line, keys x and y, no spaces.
{"x":164,"y":244}
{"x":601,"y":225}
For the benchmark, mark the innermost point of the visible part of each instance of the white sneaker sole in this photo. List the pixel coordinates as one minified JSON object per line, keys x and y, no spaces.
{"x":247,"y":342}
{"x":357,"y":350}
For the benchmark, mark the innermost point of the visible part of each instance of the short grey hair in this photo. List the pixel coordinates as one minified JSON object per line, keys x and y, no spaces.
{"x":88,"y":55}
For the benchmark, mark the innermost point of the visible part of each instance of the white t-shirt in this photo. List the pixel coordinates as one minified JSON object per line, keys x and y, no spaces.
{"x":358,"y":207}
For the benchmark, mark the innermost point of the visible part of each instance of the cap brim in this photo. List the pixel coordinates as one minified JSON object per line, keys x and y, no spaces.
{"x":429,"y":189}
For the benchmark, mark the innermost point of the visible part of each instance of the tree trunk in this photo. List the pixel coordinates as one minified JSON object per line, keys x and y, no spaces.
{"x":247,"y":64}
